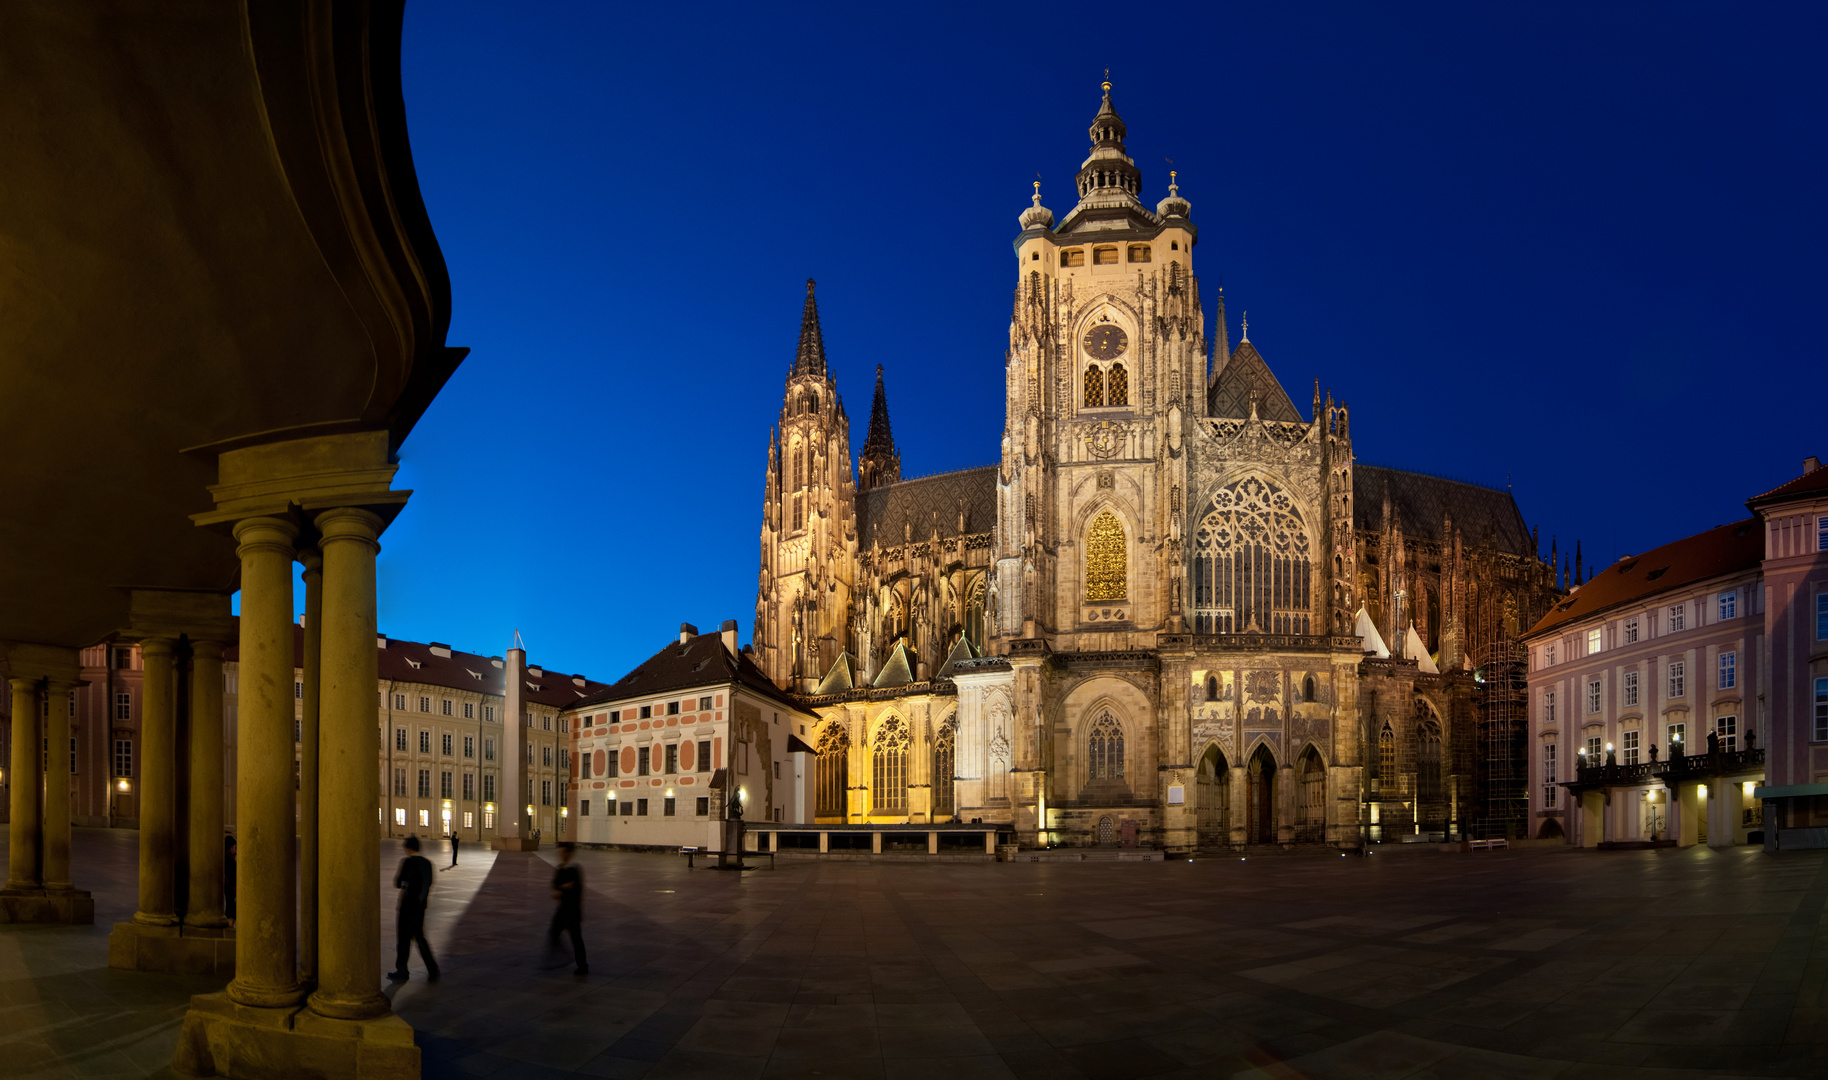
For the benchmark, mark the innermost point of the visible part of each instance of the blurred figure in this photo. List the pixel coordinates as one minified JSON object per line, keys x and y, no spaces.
{"x":455,"y":840}
{"x":414,"y":880}
{"x":568,"y":890}
{"x":228,"y":878}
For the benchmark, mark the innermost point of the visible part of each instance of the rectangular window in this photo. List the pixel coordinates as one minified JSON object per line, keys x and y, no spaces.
{"x":626,"y":806}
{"x":444,"y":784}
{"x":647,"y":711}
{"x":1548,"y":656}
{"x":546,"y":723}
{"x":1593,"y":641}
{"x":425,"y":703}
{"x":425,"y":741}
{"x":583,"y":807}
{"x":469,"y":710}
{"x":425,"y":783}
{"x":425,"y":819}
{"x":298,"y":730}
{"x":672,"y":708}
{"x":1821,"y":616}
{"x":1729,"y":605}
{"x":641,"y":760}
{"x":469,"y":791}
{"x":123,"y":706}
{"x":400,"y":740}
{"x":469,"y":820}
{"x":640,"y":807}
{"x":1821,"y":533}
{"x":1593,"y":695}
{"x":1593,"y":751}
{"x":488,"y":749}
{"x":1629,"y":743}
{"x":123,"y":750}
{"x":704,"y":756}
{"x":703,"y":805}
{"x":1678,"y":617}
{"x":298,"y":690}
{"x":1727,"y":728}
{"x":445,"y":707}
{"x":584,"y":766}
{"x":1631,"y":688}
{"x":666,"y":807}
{"x":704,"y":704}
{"x":1549,"y":776}
{"x":1631,"y":631}
{"x":1729,"y":670}
{"x":1678,"y":678}
{"x":400,"y":782}
{"x":545,"y":793}
{"x":1678,"y":736}
{"x":444,"y":742}
{"x":615,"y":764}
{"x":546,"y":756}
{"x":123,"y":659}
{"x":672,"y":759}
{"x":1821,"y":710}
{"x":488,"y":714}
{"x":400,"y":703}
{"x":488,"y":819}
{"x":1548,"y":706}
{"x":488,"y":788}
{"x":399,"y":815}
{"x":615,"y":717}
{"x":469,"y":746}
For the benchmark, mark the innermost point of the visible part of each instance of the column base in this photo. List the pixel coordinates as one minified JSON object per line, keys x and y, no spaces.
{"x":68,"y":907}
{"x":187,"y":950}
{"x":514,"y":843}
{"x":221,"y":1038}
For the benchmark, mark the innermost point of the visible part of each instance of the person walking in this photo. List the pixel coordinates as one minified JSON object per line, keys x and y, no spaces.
{"x":568,"y":890}
{"x":455,"y":840}
{"x":414,"y":880}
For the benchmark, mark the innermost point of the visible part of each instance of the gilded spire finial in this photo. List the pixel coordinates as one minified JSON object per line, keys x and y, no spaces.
{"x":1107,"y":80}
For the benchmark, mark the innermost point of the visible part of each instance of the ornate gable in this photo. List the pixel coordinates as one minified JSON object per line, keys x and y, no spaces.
{"x":1246,"y":378}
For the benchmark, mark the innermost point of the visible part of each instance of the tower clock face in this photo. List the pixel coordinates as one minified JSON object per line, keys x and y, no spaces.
{"x":1106,"y":342}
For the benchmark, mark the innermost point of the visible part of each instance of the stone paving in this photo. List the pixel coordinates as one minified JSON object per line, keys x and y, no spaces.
{"x":1536,"y":963}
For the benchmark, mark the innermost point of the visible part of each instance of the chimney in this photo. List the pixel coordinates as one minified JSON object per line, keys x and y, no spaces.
{"x":729,"y":635}
{"x":687,"y":632}
{"x":1810,"y":464}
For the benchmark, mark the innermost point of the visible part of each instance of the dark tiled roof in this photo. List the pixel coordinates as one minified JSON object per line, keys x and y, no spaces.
{"x":458,"y":671}
{"x":1722,"y":550}
{"x":1246,"y":376}
{"x":1806,"y":484}
{"x":1419,"y":503}
{"x":919,"y":504}
{"x":701,"y":660}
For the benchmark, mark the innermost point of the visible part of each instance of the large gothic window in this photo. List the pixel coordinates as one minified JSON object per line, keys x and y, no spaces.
{"x":1427,"y":761}
{"x":1118,"y":386}
{"x":1094,"y":386}
{"x":831,"y":773}
{"x":889,"y":775}
{"x":1105,"y":748}
{"x":1385,"y":781}
{"x":1105,"y":563}
{"x":1251,"y":572}
{"x":944,"y":762}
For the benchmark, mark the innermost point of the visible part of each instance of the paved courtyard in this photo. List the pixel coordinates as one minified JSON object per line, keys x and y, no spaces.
{"x":1412,"y":964}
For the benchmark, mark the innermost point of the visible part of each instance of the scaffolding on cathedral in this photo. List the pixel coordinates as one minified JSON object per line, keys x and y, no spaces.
{"x":1501,"y":805}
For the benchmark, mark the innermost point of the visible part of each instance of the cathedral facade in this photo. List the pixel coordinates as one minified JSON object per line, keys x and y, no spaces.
{"x":1175,"y":613}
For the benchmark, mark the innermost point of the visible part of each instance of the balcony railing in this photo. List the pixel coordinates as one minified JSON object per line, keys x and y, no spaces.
{"x":1679,"y":767}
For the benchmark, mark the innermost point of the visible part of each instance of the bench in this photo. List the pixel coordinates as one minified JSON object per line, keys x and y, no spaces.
{"x":692,"y":853}
{"x":1487,"y":845}
{"x":688,"y":850}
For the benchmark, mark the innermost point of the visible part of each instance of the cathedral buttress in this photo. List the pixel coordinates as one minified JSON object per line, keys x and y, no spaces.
{"x":805,"y":589}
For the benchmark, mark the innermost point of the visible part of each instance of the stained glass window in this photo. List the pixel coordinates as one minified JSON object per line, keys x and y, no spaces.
{"x":889,"y":779}
{"x":1385,"y":780}
{"x":1251,"y":568}
{"x":831,"y":773}
{"x":1105,"y":563}
{"x":1106,"y":749}
{"x":1094,"y":386}
{"x":943,"y":769}
{"x":1119,"y":383}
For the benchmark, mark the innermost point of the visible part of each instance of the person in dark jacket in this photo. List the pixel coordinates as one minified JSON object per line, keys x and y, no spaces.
{"x":414,"y":880}
{"x":568,"y":890}
{"x":455,"y":840}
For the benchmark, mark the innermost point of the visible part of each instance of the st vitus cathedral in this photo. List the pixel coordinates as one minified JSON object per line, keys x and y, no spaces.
{"x":1175,"y":613}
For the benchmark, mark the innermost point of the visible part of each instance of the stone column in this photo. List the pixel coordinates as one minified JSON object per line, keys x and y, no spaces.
{"x":1240,"y":807}
{"x":158,"y":782}
{"x":56,"y":851}
{"x":266,"y":936}
{"x":204,"y":908}
{"x":26,"y":827}
{"x":349,"y":926}
{"x":308,"y":767}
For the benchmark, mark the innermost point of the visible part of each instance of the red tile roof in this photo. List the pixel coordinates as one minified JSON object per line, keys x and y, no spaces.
{"x":701,"y":660}
{"x":1806,"y":484}
{"x":1722,"y":550}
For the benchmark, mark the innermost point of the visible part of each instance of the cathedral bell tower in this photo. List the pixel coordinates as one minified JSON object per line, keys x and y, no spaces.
{"x":809,"y":540}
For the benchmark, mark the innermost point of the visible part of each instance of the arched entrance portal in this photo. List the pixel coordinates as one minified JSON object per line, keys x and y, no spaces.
{"x":1261,"y":798}
{"x":1212,"y":795}
{"x":1311,"y":798}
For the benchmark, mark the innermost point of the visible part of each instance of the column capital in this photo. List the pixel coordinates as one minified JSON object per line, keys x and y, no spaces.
{"x":207,"y":648}
{"x":274,"y":534}
{"x":158,"y":644}
{"x":349,"y":523}
{"x":311,"y":559}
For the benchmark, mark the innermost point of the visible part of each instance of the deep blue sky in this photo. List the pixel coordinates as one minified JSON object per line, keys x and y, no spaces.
{"x":1578,"y":247}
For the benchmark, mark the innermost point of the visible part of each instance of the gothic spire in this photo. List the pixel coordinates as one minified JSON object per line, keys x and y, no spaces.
{"x":1221,"y":342}
{"x":1108,"y":177}
{"x":880,"y":462}
{"x":809,"y":358}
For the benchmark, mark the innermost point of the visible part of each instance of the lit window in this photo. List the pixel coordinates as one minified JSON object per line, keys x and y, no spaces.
{"x":425,"y":819}
{"x":469,"y":819}
{"x":1729,"y":605}
{"x":1117,"y":386}
{"x":1727,"y":728}
{"x":1105,"y":562}
{"x":1593,"y":642}
{"x":1729,"y":670}
{"x":1678,"y":734}
{"x":1678,"y":678}
{"x":1631,"y":687}
{"x":1251,"y":568}
{"x":889,"y":776}
{"x":488,"y":819}
{"x":399,"y":815}
{"x":1094,"y":386}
